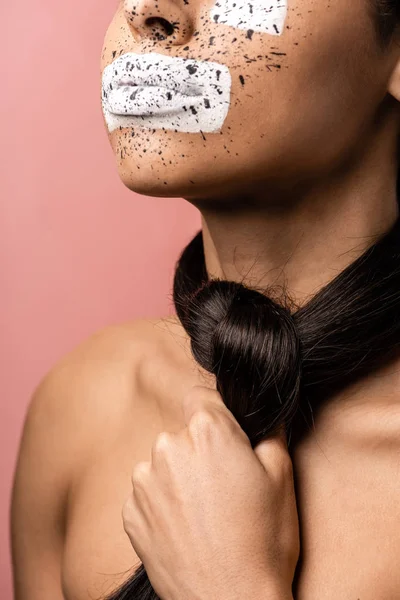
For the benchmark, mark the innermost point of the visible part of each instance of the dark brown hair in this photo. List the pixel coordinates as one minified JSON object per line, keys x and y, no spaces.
{"x":275,"y":363}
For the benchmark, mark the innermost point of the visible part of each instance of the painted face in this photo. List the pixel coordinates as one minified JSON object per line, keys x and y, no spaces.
{"x":157,"y":91}
{"x":253,"y":15}
{"x":208,"y":99}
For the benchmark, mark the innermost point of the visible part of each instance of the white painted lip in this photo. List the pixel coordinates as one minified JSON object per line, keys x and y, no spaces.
{"x":164,"y":91}
{"x":154,"y":69}
{"x":137,"y":99}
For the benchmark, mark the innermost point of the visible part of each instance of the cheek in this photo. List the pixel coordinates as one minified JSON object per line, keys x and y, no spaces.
{"x":117,"y":38}
{"x":267,"y":16}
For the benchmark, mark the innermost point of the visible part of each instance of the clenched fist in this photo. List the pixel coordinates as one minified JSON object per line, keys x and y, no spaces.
{"x":211,"y":518}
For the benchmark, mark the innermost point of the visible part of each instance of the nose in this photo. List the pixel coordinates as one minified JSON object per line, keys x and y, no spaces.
{"x":159,"y":20}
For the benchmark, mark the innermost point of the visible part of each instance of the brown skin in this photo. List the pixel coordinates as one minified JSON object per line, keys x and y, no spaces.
{"x":313,"y":122}
{"x":104,"y":405}
{"x":301,"y":178}
{"x":206,"y":504}
{"x":306,"y":159}
{"x":287,"y":124}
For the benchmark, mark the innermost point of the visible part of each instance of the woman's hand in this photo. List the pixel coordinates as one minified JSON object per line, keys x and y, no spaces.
{"x":211,"y":518}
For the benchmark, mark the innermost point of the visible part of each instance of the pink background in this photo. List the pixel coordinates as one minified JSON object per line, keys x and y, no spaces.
{"x":78,"y":251}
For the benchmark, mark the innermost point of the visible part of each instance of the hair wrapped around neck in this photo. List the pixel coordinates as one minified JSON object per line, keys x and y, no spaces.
{"x":275,"y":366}
{"x":272,"y":365}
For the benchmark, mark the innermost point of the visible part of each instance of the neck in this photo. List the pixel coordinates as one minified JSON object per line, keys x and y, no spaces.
{"x":304,"y":238}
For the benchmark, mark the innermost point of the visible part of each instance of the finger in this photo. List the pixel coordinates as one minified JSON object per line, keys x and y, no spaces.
{"x":134,"y":524}
{"x":142,"y":489}
{"x":200,"y":398}
{"x":131,"y":514}
{"x":273,"y":452}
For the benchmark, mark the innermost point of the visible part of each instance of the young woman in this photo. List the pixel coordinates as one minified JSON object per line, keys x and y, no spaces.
{"x":279,"y":120}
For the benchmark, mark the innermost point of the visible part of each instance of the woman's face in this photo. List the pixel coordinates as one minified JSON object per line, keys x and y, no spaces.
{"x":242,"y":93}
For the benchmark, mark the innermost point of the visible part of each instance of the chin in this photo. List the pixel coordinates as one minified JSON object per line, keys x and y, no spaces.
{"x":168,"y":165}
{"x":176,"y":172}
{"x":149,"y":177}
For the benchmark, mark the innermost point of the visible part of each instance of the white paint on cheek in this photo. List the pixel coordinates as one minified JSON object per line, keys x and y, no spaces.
{"x":164,"y":92}
{"x":259,"y":15}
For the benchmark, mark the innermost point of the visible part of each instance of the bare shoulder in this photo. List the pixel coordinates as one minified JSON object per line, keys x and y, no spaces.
{"x":92,"y":387}
{"x":120,"y":372}
{"x":93,"y":409}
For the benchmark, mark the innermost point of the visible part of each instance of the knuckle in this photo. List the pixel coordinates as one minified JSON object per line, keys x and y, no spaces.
{"x":202,"y":421}
{"x":162,"y":443}
{"x":140,"y":473}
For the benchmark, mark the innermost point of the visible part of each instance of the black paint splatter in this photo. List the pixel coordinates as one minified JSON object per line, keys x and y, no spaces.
{"x":192,"y":69}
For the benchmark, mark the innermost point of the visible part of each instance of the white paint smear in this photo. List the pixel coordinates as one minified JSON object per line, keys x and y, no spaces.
{"x":157,"y":91}
{"x":259,"y":15}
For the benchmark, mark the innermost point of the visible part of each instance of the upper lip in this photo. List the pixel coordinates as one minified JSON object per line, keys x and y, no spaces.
{"x":173,"y":78}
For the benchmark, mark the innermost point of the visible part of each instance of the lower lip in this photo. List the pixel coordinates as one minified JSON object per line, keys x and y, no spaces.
{"x":201,"y":109}
{"x":148,"y":100}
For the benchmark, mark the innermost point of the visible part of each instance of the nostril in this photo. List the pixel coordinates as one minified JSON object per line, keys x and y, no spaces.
{"x":167,"y":27}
